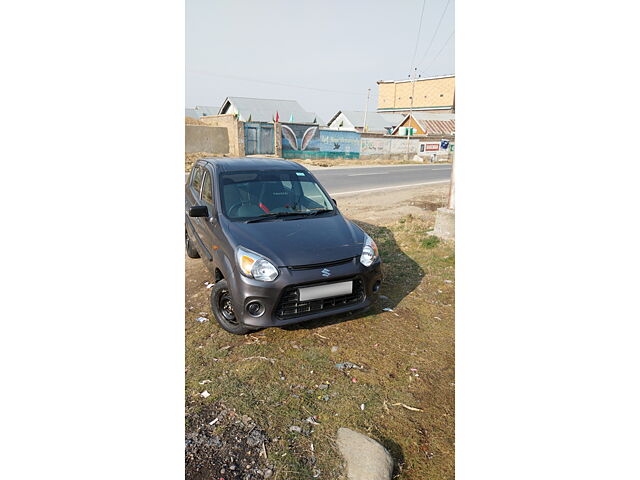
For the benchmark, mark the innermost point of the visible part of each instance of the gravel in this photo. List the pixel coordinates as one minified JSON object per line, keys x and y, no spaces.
{"x":231,"y":447}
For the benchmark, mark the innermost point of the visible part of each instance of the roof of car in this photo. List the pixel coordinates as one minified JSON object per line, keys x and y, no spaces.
{"x":227,"y":164}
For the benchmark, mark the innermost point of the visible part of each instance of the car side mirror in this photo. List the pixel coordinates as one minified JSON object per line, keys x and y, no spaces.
{"x":334,"y":202}
{"x":198,"y":211}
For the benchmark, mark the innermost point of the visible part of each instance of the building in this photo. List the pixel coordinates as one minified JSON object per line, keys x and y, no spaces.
{"x":192,"y":113}
{"x":354,"y":121}
{"x":432,"y":94}
{"x":206,"y":111}
{"x":427,"y":123}
{"x":264,"y":110}
{"x":200,"y":111}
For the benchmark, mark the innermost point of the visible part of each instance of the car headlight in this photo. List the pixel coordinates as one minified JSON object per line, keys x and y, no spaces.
{"x":369,"y":251}
{"x":256,"y":266}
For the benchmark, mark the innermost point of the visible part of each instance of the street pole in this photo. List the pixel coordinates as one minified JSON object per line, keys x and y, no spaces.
{"x":409,"y":128}
{"x":366,"y":110}
{"x":451,"y":204}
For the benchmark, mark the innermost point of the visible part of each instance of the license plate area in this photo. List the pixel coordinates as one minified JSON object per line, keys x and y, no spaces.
{"x":324,"y":291}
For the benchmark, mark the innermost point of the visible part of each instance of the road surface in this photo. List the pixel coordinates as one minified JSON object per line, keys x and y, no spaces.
{"x":344,"y":181}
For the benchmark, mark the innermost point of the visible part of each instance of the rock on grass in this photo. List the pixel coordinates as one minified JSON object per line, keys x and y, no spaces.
{"x":366,"y":459}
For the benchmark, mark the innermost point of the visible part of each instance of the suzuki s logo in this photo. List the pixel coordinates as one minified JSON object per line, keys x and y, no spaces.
{"x":325,"y":272}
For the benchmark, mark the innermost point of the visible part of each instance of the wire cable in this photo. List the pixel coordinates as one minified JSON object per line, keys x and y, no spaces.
{"x":435,"y":32}
{"x":415,"y":50}
{"x":438,"y":54}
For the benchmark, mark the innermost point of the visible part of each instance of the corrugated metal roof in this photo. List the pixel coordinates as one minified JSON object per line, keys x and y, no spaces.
{"x":438,"y":127}
{"x":437,"y":123}
{"x":433,"y":123}
{"x":207,"y":111}
{"x":192,"y":112}
{"x":376,"y":122}
{"x":434,"y":116}
{"x":264,"y":110}
{"x":417,"y":79}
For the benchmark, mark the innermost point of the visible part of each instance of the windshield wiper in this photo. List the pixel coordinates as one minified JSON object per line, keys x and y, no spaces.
{"x":320,"y":210}
{"x":270,"y":216}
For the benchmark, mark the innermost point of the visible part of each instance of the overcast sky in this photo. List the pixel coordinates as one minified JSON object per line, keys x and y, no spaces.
{"x":269,"y":49}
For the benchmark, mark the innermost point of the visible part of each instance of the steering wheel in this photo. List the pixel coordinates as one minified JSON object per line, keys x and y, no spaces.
{"x":233,"y":209}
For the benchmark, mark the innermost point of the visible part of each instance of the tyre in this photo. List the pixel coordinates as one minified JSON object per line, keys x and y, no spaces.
{"x":222,"y":309}
{"x":191,"y":250}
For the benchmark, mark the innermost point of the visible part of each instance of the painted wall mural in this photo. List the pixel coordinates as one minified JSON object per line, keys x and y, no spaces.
{"x":305,"y":141}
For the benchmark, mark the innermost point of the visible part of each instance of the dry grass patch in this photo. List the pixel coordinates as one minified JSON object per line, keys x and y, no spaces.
{"x":403,"y":396}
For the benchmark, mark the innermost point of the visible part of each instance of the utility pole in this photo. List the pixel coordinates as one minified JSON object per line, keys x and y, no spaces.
{"x":451,"y":203}
{"x":409,"y":128}
{"x":366,"y":110}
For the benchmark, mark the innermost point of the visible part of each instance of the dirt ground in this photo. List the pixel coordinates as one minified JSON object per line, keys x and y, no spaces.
{"x":387,"y":206}
{"x":348,"y":162}
{"x":288,"y":382}
{"x":191,"y":158}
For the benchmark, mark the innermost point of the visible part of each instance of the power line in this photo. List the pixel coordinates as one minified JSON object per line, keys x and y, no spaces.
{"x":415,"y":50}
{"x":435,"y":32}
{"x":438,"y":54}
{"x":253,"y":80}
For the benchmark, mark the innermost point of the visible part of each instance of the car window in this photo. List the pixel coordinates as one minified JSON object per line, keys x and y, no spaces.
{"x":251,"y":194}
{"x":197,"y":180}
{"x":207,"y":191}
{"x":312,"y":191}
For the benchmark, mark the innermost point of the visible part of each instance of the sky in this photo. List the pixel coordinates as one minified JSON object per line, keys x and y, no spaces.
{"x":323,"y":54}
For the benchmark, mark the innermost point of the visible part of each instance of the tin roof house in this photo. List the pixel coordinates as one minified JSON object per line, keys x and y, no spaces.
{"x":355,"y":121}
{"x":264,"y":110}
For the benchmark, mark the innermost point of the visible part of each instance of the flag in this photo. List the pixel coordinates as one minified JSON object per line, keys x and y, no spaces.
{"x":277,"y":117}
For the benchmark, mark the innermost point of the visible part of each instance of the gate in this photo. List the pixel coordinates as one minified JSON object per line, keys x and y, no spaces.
{"x":258,"y":139}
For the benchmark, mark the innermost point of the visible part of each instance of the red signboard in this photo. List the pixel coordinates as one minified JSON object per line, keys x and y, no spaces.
{"x":430,"y":147}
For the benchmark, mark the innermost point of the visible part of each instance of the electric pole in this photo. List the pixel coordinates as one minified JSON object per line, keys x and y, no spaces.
{"x":410,"y":128}
{"x":366,"y":110}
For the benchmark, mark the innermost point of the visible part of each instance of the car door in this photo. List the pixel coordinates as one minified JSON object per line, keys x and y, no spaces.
{"x":194,"y":224}
{"x":209,"y":229}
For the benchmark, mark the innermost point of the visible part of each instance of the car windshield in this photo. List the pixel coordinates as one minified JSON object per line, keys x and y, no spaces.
{"x":249,"y":195}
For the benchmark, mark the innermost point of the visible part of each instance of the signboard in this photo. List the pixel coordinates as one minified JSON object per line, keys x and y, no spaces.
{"x":432,"y":147}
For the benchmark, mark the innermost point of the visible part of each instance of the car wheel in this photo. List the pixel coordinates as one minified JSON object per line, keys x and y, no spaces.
{"x":191,"y":250}
{"x":222,"y":308}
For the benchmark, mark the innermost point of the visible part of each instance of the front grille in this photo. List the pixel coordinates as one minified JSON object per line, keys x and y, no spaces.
{"x":321,"y":265}
{"x":290,"y":306}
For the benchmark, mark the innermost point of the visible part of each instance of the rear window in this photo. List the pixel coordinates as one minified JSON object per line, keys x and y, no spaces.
{"x":247,"y":195}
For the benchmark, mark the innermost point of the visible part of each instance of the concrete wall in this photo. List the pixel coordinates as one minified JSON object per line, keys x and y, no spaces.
{"x":199,"y":138}
{"x":395,"y":147}
{"x":235,"y":131}
{"x":309,"y":141}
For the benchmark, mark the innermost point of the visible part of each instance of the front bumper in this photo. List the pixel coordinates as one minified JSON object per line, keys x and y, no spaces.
{"x":270,"y":294}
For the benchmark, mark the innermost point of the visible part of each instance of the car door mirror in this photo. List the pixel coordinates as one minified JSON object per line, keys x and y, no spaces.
{"x":198,"y":211}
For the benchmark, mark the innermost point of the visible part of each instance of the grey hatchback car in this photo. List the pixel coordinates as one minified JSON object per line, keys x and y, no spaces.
{"x":278,"y":248}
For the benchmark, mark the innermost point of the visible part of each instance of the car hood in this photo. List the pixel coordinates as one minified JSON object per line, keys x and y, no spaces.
{"x":304,"y":241}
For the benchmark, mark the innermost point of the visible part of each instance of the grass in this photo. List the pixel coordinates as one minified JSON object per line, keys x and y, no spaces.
{"x":430,"y":242}
{"x":407,"y":355}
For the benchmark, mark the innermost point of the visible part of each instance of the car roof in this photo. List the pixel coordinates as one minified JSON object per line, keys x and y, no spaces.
{"x":230,"y":164}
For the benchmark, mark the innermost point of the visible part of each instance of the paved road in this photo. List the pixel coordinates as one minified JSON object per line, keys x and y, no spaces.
{"x":342,"y":181}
